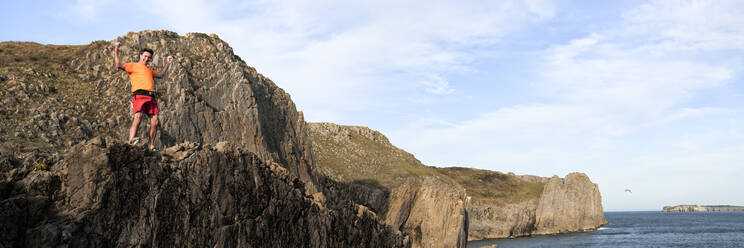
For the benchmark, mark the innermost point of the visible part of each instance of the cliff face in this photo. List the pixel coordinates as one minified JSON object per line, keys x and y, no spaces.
{"x":393,"y":183}
{"x":507,"y":205}
{"x":423,"y":204}
{"x":697,"y":208}
{"x":250,"y":184}
{"x":57,"y":187}
{"x":57,"y":96}
{"x":569,"y":205}
{"x":104,"y":193}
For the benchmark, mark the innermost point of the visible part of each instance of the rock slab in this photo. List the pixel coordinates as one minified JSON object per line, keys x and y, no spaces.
{"x":104,"y":193}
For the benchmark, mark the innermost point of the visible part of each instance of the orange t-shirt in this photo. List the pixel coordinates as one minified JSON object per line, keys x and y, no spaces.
{"x":141,"y":76}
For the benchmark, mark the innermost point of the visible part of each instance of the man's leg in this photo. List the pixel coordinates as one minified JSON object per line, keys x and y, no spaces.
{"x":135,"y":125}
{"x":153,"y":129}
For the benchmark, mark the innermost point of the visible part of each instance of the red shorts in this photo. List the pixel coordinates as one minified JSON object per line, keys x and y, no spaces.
{"x":145,"y":104}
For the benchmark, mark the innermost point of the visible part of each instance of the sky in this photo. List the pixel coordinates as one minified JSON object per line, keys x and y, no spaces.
{"x":640,"y":95}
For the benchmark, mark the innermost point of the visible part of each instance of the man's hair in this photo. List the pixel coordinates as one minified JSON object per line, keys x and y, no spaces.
{"x":147,"y":50}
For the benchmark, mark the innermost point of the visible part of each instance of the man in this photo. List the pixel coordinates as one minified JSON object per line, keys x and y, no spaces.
{"x":143,"y":91}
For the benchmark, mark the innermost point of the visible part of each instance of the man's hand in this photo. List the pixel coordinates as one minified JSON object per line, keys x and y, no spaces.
{"x":162,"y":73}
{"x":117,"y":64}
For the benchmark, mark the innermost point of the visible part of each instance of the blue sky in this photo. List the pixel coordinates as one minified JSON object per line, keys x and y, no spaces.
{"x":643,"y":95}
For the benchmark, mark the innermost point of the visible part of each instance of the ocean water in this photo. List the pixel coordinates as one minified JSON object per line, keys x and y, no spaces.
{"x":645,"y":229}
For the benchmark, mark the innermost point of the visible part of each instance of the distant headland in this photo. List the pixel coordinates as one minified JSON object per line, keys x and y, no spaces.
{"x":697,"y":208}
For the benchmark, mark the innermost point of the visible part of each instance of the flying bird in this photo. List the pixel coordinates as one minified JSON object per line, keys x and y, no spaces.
{"x":628,"y":190}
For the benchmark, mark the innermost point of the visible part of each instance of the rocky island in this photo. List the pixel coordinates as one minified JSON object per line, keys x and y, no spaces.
{"x":698,"y":208}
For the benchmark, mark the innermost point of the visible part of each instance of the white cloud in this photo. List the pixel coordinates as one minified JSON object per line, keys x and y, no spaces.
{"x":695,"y":25}
{"x":621,"y":103}
{"x":437,"y":85}
{"x":337,"y":51}
{"x":602,"y":71}
{"x":87,"y":9}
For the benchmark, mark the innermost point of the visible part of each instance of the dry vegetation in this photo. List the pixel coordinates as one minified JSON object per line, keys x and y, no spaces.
{"x":494,"y":186}
{"x":46,"y":104}
{"x":24,"y":54}
{"x":356,"y":158}
{"x":348,"y":156}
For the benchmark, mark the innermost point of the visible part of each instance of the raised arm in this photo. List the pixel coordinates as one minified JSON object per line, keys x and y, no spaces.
{"x":162,"y":73}
{"x":117,"y":64}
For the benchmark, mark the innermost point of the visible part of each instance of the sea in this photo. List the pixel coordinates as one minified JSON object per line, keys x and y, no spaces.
{"x":644,"y":229}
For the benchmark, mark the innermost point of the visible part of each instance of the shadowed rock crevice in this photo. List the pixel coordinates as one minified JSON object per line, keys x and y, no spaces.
{"x":367,"y":192}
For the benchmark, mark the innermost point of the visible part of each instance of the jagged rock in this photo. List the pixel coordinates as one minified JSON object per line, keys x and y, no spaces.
{"x":433,"y":213}
{"x":569,"y":205}
{"x":390,"y":182}
{"x":501,"y":221}
{"x":360,"y":164}
{"x":236,"y":168}
{"x":110,"y":194}
{"x":209,"y":95}
{"x":557,"y":206}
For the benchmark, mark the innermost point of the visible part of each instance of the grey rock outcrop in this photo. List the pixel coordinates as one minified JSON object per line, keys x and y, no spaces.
{"x":209,"y":95}
{"x":431,"y":212}
{"x":565,"y":205}
{"x":251,"y":183}
{"x":395,"y":184}
{"x":428,"y":207}
{"x":489,"y":220}
{"x":569,"y":205}
{"x":107,"y":194}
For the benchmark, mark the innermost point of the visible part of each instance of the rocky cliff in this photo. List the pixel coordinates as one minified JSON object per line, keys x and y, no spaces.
{"x":568,"y":205}
{"x":428,"y":207}
{"x":56,"y":96}
{"x":236,"y":168}
{"x":498,"y":205}
{"x":508,"y":205}
{"x":697,"y":208}
{"x":103,"y":193}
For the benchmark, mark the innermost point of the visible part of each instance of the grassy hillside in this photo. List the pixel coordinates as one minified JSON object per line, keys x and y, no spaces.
{"x":494,"y":186}
{"x":347,"y":154}
{"x":358,"y":154}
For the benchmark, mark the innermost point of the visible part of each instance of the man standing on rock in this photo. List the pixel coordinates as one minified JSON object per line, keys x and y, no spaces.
{"x":143,"y":91}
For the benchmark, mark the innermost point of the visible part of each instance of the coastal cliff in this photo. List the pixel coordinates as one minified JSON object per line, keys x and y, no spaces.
{"x":236,"y":167}
{"x":412,"y":198}
{"x":508,"y":205}
{"x":498,"y":205}
{"x":569,"y":204}
{"x":697,"y":208}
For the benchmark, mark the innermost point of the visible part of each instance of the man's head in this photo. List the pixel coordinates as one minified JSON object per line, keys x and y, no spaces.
{"x":146,"y":55}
